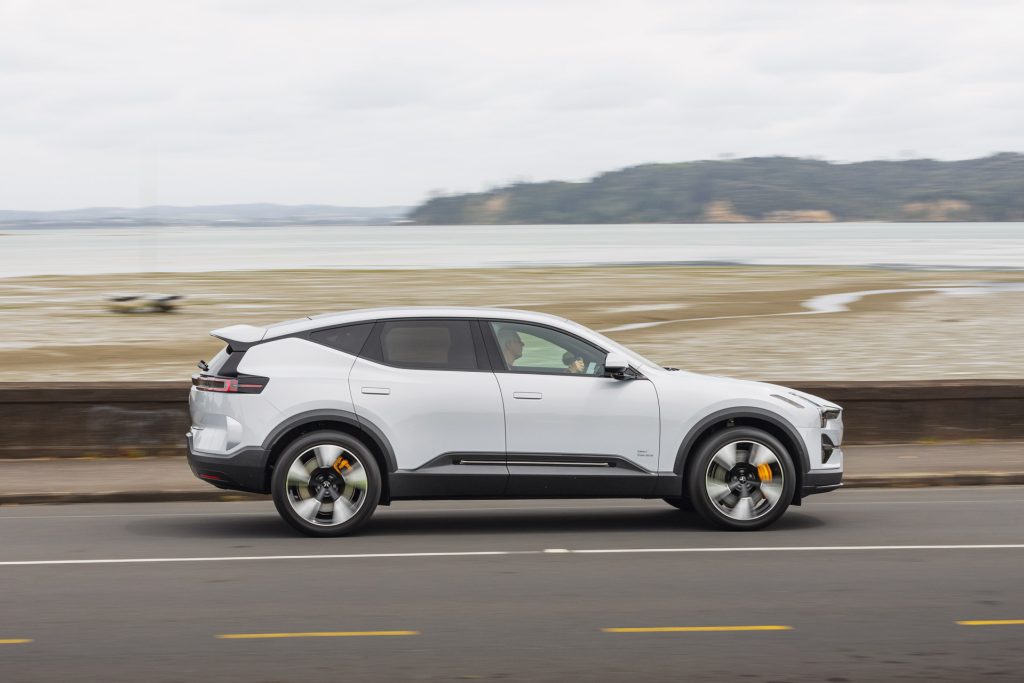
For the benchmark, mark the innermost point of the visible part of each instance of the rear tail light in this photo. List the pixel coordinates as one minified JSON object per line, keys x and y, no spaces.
{"x":243,"y":384}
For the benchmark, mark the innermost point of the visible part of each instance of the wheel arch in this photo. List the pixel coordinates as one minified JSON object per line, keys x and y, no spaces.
{"x":337,"y":420}
{"x":760,"y":418}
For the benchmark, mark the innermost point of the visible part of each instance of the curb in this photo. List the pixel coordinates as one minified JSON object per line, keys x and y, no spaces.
{"x":921,"y":480}
{"x":62,"y":498}
{"x":866,"y":481}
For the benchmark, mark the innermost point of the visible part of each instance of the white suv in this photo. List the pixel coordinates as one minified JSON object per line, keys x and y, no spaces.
{"x":335,"y":414}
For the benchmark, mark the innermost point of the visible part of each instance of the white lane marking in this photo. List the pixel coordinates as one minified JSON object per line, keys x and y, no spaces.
{"x":252,"y":558}
{"x":801,"y":548}
{"x":495,"y":553}
{"x":876,"y":502}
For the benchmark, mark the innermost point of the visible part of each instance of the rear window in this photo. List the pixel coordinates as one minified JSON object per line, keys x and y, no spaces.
{"x":347,"y":338}
{"x":428,"y":345}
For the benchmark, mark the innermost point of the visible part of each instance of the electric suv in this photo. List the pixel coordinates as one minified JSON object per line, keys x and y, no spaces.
{"x":336,"y":414}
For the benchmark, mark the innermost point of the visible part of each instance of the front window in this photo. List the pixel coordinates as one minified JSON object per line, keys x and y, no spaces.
{"x":542,"y":350}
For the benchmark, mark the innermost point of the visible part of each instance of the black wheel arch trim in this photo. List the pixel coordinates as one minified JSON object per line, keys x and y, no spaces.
{"x":693,"y":436}
{"x":334,"y":415}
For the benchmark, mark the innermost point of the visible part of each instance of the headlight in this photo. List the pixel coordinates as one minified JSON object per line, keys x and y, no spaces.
{"x":829,"y":414}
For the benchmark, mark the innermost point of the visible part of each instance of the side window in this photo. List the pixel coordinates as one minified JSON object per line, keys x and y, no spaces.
{"x":348,"y":338}
{"x":428,"y":345}
{"x":536,"y":349}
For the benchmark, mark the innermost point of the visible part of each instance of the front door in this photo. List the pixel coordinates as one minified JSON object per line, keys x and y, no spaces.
{"x":569,"y":429}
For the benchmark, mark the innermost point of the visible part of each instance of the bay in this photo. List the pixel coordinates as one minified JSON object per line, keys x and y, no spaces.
{"x":88,"y":251}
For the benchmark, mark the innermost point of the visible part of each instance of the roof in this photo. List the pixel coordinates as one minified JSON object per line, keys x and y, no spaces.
{"x":314,"y":322}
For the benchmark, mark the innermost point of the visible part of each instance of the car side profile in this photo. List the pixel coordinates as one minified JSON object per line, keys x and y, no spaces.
{"x":336,"y":414}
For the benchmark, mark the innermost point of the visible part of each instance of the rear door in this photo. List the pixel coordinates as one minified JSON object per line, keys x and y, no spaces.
{"x":569,"y":429}
{"x":425,"y":383}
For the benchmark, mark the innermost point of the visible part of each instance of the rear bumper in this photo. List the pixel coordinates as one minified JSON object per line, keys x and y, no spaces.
{"x":245,"y":470}
{"x":821,"y":482}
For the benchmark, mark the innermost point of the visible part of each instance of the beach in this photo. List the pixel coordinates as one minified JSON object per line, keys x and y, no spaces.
{"x":760,"y":322}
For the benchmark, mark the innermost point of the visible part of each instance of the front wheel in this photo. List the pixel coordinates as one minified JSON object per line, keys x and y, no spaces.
{"x":741,"y":479}
{"x":326,"y":484}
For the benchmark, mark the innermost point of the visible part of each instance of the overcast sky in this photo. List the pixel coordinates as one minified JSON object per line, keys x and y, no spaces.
{"x":377,"y":102}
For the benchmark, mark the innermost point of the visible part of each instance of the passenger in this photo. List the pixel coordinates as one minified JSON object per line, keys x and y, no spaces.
{"x":575,"y":364}
{"x":511,"y":345}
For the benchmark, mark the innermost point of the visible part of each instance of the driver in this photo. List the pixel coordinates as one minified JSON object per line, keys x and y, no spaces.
{"x":511,"y":345}
{"x":575,"y":365}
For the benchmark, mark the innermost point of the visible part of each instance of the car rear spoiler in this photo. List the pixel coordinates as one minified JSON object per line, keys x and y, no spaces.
{"x":240,"y":337}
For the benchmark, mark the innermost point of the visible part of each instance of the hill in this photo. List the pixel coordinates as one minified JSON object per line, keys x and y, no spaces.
{"x":762,"y":189}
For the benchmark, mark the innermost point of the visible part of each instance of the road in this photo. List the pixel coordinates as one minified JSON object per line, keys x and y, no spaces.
{"x":855,"y":585}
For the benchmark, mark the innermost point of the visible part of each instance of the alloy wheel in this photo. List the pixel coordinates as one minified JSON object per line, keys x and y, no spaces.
{"x":744,"y":480}
{"x":326,"y":485}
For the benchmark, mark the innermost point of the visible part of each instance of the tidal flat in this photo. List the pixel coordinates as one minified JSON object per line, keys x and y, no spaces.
{"x":758,"y":322}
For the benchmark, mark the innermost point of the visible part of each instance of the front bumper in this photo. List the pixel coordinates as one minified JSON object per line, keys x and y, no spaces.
{"x":245,"y":470}
{"x":821,"y":482}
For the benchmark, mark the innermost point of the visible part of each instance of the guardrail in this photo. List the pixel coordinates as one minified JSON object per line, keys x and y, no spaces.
{"x":76,"y":419}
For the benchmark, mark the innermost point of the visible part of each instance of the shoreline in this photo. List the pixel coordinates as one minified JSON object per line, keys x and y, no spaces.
{"x":733,"y":320}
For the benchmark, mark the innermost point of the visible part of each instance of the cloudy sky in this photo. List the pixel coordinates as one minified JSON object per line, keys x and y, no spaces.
{"x":381,"y":102}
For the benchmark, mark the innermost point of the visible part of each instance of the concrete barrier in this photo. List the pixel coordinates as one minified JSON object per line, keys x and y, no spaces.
{"x":150,"y":418}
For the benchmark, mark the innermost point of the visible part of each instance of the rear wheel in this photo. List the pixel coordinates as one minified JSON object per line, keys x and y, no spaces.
{"x":741,"y":479}
{"x":326,"y":484}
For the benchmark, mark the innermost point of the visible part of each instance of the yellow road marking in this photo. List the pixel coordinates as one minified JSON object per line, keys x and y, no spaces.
{"x":993,"y":622}
{"x":15,"y":641}
{"x":694,"y":629}
{"x":316,"y":634}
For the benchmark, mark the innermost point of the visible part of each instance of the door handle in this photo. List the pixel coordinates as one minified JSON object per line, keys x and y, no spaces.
{"x":531,"y":395}
{"x":383,"y":391}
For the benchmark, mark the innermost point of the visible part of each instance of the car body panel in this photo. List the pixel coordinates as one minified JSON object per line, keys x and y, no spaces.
{"x":428,"y":413}
{"x":580,"y":415}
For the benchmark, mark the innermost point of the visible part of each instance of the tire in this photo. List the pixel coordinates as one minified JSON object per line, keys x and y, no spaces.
{"x":734,"y":478}
{"x":681,"y":502}
{"x":326,"y":483}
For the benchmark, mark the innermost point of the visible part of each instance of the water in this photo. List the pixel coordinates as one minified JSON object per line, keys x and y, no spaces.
{"x":85,"y":251}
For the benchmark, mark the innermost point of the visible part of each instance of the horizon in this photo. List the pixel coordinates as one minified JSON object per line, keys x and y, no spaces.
{"x":409,"y":207}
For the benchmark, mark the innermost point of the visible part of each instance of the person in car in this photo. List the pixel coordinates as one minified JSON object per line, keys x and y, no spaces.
{"x":511,"y":345}
{"x":574,"y":364}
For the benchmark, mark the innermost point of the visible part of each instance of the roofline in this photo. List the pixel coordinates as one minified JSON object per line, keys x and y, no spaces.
{"x":322,"y":320}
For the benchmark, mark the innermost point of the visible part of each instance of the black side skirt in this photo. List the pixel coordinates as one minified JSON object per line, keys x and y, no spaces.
{"x":483,"y":476}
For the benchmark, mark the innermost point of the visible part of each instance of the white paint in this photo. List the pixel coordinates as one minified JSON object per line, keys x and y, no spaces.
{"x":497,"y":553}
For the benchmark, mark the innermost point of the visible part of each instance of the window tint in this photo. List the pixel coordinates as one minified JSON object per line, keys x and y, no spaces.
{"x":349,"y":338}
{"x":537,"y":349}
{"x":429,"y":344}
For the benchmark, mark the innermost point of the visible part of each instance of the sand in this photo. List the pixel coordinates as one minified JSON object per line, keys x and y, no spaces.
{"x":741,"y":321}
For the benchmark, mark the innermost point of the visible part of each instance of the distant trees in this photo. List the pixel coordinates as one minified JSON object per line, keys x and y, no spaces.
{"x":771,"y":189}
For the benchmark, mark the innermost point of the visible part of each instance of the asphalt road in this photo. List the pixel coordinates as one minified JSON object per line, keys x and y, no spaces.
{"x":856,"y":585}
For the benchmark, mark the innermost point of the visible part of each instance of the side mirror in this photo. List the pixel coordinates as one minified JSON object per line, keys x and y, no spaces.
{"x":617,"y":365}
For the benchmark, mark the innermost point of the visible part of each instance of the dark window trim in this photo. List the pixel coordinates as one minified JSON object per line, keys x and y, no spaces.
{"x":373,"y":344}
{"x":498,"y":363}
{"x":308,"y":336}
